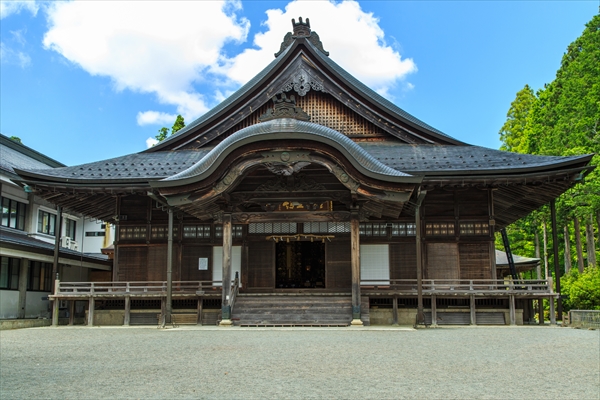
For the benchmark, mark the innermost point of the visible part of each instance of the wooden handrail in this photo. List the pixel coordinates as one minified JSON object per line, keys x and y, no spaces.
{"x":463,"y":285}
{"x":133,"y":287}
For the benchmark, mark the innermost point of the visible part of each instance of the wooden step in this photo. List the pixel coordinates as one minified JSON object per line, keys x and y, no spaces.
{"x":490,"y":318}
{"x":297,"y":310}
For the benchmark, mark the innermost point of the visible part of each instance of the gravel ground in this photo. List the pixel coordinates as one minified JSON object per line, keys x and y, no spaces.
{"x":286,"y":363}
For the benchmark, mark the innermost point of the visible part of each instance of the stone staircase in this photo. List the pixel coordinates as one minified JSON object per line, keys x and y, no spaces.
{"x":295,"y":310}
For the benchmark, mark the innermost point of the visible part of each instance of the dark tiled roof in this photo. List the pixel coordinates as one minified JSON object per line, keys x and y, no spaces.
{"x":431,"y":160}
{"x":132,"y":167}
{"x":502,"y":261}
{"x":20,"y":238}
{"x":225,"y":103}
{"x":11,"y":158}
{"x":377,"y":98}
{"x":292,"y":129}
{"x":427,"y":160}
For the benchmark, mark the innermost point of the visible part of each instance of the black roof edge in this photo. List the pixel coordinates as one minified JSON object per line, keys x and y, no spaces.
{"x":28,"y":151}
{"x":29,"y":178}
{"x":584,"y":159}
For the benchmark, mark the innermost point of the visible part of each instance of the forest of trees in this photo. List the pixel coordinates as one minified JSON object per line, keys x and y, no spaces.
{"x":563,"y":119}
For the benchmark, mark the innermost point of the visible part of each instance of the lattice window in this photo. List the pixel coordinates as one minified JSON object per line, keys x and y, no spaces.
{"x":236,"y":231}
{"x":404,"y":229}
{"x":474,"y":228}
{"x":325,"y":110}
{"x":373,"y":229}
{"x":327,"y":227}
{"x":439,"y":229}
{"x":132,"y":232}
{"x":196,"y":231}
{"x":272,"y":227}
{"x":162,"y":232}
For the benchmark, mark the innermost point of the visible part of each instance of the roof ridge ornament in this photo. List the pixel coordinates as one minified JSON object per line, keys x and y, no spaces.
{"x":284,"y":107}
{"x":301,"y":30}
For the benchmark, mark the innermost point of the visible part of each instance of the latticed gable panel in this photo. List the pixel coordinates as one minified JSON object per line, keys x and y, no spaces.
{"x":324,"y":110}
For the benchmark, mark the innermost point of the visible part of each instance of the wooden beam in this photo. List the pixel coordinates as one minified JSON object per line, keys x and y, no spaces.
{"x":395,"y":311}
{"x":91,"y":305}
{"x":473,"y":310}
{"x":226,"y":291}
{"x":540,"y":311}
{"x":433,"y":310}
{"x":418,"y":229}
{"x":511,"y":307}
{"x":71,"y":312}
{"x":355,"y":267}
{"x":169,"y":307}
{"x":555,"y":253}
{"x":127,"y":316}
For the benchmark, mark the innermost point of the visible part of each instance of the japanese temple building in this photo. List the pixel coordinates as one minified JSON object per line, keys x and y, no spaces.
{"x":304,"y":191}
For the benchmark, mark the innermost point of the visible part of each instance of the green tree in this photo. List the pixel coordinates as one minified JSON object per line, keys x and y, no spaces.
{"x":512,"y":133}
{"x":16,"y":139}
{"x":178,"y":125}
{"x":581,"y":291}
{"x":163,"y":132}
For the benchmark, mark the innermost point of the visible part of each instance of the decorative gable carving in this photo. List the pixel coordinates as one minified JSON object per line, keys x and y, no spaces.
{"x":302,"y":81}
{"x":284,"y":107}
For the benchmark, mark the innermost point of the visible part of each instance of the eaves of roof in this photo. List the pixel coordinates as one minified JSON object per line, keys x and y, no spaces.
{"x":10,"y":238}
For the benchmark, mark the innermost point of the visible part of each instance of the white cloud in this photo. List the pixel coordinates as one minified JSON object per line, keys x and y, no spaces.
{"x":377,"y":64}
{"x":15,"y":57}
{"x":155,"y":118}
{"x":147,"y":46}
{"x":150,"y":142}
{"x":168,"y":48}
{"x":14,"y":7}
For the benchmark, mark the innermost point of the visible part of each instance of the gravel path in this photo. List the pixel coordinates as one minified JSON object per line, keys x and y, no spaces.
{"x":238,"y":363}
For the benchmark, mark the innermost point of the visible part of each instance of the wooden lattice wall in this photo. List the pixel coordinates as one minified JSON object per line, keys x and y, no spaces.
{"x":323,"y":110}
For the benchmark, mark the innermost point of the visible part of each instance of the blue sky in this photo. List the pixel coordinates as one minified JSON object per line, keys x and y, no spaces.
{"x":87,"y":81}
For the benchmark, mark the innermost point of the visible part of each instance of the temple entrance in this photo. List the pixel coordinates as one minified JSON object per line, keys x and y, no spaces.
{"x":300,"y":265}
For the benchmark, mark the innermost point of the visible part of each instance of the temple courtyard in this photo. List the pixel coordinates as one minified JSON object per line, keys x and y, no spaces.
{"x":300,"y":363}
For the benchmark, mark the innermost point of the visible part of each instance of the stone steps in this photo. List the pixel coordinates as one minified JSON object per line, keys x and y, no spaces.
{"x":298,"y":310}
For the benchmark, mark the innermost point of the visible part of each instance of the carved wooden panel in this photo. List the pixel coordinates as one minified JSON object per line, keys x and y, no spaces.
{"x":338,"y":269}
{"x":442,"y":261}
{"x":475,"y":261}
{"x":261,"y":268}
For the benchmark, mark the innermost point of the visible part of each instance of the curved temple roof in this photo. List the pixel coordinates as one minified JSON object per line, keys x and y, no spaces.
{"x":292,"y":129}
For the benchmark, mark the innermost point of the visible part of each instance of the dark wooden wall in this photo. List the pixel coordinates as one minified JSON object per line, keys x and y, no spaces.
{"x":338,"y":269}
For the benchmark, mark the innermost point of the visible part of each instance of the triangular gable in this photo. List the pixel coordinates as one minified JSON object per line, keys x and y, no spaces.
{"x":326,"y":92}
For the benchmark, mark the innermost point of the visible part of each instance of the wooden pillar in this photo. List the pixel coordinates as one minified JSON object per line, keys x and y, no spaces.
{"x":23,"y":272}
{"x":163,"y":312}
{"x":169,"y":299}
{"x":127,"y":315}
{"x":71,"y":312}
{"x":552,"y":311}
{"x":115,"y":271}
{"x":200,"y":306}
{"x":420,"y":315}
{"x":541,"y":311}
{"x":433,"y":310}
{"x":55,"y":302}
{"x":511,"y":306}
{"x":90,"y":321}
{"x":57,"y":232}
{"x":555,"y":251}
{"x":473,"y":310}
{"x":355,"y":266}
{"x":226,"y":307}
{"x":395,"y":311}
